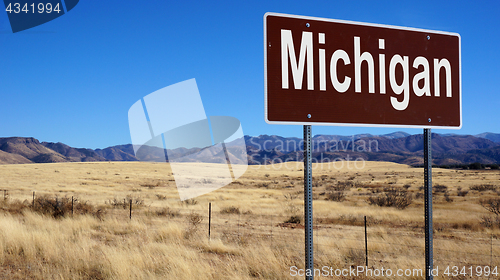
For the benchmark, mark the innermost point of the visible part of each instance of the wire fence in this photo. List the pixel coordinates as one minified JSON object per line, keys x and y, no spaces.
{"x":372,"y":243}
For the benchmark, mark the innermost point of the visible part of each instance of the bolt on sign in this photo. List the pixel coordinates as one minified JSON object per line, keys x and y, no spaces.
{"x":332,"y":72}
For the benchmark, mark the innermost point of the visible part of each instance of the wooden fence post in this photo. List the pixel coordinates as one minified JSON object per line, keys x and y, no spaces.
{"x":131,"y":209}
{"x":366,"y":245}
{"x":209,"y":218}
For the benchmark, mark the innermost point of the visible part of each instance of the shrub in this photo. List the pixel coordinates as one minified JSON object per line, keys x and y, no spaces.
{"x":51,"y":206}
{"x":447,"y":197}
{"x":475,"y":166}
{"x":230,"y":210}
{"x":14,"y":206}
{"x":350,"y":220}
{"x":264,"y":185}
{"x":345,"y":185}
{"x":161,"y":196}
{"x":440,"y":188}
{"x":137,"y":201}
{"x":483,"y":187}
{"x":295,"y":219}
{"x":194,"y":220}
{"x":392,"y":197}
{"x":342,"y":186}
{"x":99,"y":214}
{"x":82,"y":207}
{"x":190,"y":201}
{"x":490,"y":222}
{"x":492,"y":205}
{"x":125,"y":203}
{"x":167,"y":212}
{"x":338,"y":196}
{"x":116,"y":203}
{"x":60,"y":207}
{"x":462,"y":193}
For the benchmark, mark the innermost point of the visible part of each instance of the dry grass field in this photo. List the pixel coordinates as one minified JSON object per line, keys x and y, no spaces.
{"x":256,"y":230}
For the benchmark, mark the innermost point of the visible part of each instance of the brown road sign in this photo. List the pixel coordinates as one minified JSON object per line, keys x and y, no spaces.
{"x":331,"y":72}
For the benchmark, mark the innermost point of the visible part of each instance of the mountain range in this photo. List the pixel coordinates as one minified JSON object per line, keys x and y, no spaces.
{"x":400,"y":147}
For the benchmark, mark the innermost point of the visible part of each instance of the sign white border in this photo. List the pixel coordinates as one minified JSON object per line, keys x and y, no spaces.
{"x":364,"y":24}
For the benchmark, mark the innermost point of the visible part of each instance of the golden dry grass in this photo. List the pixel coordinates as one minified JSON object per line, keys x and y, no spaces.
{"x":164,"y":241}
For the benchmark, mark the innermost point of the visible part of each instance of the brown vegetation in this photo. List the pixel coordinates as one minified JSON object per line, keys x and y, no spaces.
{"x":257,"y":230}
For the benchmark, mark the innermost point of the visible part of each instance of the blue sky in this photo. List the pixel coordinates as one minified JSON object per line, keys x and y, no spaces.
{"x":73,"y":79}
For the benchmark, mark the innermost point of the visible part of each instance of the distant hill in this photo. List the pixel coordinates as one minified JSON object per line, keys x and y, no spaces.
{"x":490,"y":153}
{"x":117,"y":153}
{"x":395,"y":135}
{"x":440,"y":144}
{"x":400,"y":147}
{"x":495,"y":137}
{"x":8,"y":158}
{"x":30,"y":149}
{"x":446,"y":150}
{"x":73,"y":154}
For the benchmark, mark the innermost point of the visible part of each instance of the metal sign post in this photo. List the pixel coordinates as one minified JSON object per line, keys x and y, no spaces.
{"x":308,"y":207}
{"x":428,"y":203}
